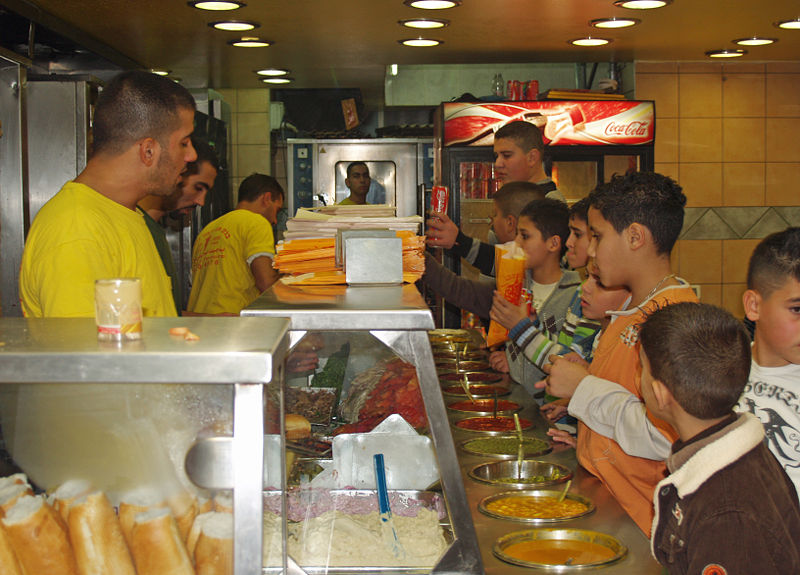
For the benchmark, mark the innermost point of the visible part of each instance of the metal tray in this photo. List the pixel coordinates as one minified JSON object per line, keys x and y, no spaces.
{"x":617,"y":549}
{"x":523,"y":425}
{"x":473,"y":377}
{"x":484,"y":406}
{"x":465,"y":446}
{"x":477,"y":390}
{"x":462,"y":366}
{"x":443,"y":355}
{"x":482,"y":506}
{"x":494,"y":473}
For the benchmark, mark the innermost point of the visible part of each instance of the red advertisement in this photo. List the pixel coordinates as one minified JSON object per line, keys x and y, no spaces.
{"x":617,"y":123}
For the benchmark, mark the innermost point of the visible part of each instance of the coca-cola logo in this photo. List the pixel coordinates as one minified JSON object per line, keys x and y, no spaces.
{"x":627,"y":128}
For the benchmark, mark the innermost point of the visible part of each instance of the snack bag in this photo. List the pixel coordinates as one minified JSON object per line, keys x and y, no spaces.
{"x":510,"y":267}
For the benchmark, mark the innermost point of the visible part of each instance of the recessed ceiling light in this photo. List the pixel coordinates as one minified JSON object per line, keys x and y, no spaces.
{"x":755,"y":41}
{"x":277,"y":80}
{"x":727,"y":53}
{"x":589,"y":41}
{"x":614,"y":22}
{"x":642,"y":4}
{"x":234,"y":25}
{"x":424,"y":23}
{"x":432,"y":4}
{"x":216,"y":5}
{"x":272,"y":72}
{"x":250,"y":42}
{"x":159,"y":72}
{"x":420,"y":42}
{"x":789,"y":24}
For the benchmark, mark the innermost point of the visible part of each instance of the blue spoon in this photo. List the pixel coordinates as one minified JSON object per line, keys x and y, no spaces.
{"x":387,"y":523}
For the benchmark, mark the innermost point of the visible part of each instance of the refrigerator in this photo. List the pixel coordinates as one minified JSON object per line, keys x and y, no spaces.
{"x":586,"y":142}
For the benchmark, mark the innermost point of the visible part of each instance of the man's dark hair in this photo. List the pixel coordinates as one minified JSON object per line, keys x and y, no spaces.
{"x":551,"y":218}
{"x":136,"y":105}
{"x":256,"y":185}
{"x":775,"y":260}
{"x":352,"y":165}
{"x":514,"y":196}
{"x":526,"y":135}
{"x":701,"y":353}
{"x":205,"y":154}
{"x":580,"y":210}
{"x":646,"y":198}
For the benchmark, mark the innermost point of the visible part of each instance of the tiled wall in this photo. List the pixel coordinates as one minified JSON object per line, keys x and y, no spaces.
{"x":249,"y":144}
{"x":728,"y":134}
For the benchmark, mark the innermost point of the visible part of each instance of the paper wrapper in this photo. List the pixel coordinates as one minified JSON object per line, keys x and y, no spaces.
{"x":510,"y":268}
{"x":97,"y":539}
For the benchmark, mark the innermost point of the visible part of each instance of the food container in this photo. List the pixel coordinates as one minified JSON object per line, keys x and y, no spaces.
{"x":316,"y":404}
{"x":532,"y":473}
{"x":477,"y":391}
{"x":499,"y":425}
{"x":559,"y":550}
{"x":505,"y":446}
{"x":462,"y":366}
{"x":471,"y":353}
{"x":524,"y":506}
{"x":472,"y":377}
{"x":484,"y":407}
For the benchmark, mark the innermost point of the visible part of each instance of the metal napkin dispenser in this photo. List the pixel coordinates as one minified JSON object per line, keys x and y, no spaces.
{"x":372,"y":257}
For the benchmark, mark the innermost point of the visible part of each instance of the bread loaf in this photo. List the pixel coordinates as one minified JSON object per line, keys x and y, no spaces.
{"x":136,"y":502}
{"x":156,"y":545}
{"x":297,"y":426}
{"x":213,"y":554}
{"x":184,"y":509}
{"x":9,"y":565}
{"x":67,"y":493}
{"x":11,"y":493}
{"x":97,"y":539}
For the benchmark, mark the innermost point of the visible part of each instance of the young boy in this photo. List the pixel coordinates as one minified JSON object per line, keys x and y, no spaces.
{"x":727,"y":506}
{"x":634,"y":220}
{"x":772,"y":300}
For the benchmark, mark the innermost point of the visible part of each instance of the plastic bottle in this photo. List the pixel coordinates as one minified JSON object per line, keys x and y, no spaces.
{"x":498,"y":87}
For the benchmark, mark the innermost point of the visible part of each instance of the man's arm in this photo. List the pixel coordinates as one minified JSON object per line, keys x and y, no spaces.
{"x":470,"y":295}
{"x":443,"y":233}
{"x":263,"y":272}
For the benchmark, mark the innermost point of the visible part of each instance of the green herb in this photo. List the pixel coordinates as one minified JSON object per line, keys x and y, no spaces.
{"x":332,"y":375}
{"x":505,"y":445}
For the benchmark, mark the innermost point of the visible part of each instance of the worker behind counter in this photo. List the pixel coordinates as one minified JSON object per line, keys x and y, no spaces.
{"x":196,"y":181}
{"x":90,"y":229}
{"x":363,"y":189}
{"x":232,"y":256}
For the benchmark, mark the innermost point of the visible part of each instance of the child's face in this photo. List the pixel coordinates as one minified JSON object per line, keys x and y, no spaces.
{"x":577,"y":242}
{"x":777,"y":320}
{"x":503,"y":225}
{"x":529,"y":238}
{"x":511,"y":163}
{"x":597,"y":299}
{"x":607,"y":247}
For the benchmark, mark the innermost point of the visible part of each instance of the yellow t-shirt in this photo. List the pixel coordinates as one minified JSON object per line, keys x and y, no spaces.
{"x":80,"y":236}
{"x":221,"y":278}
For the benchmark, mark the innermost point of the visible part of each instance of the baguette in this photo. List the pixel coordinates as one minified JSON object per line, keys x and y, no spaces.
{"x":39,"y":538}
{"x":132,"y":504}
{"x":9,"y":565}
{"x":196,"y":530}
{"x":97,"y":539}
{"x":11,"y":493}
{"x":184,"y":509}
{"x":223,"y":502}
{"x":213,"y":554}
{"x":67,"y":493}
{"x":156,"y":545}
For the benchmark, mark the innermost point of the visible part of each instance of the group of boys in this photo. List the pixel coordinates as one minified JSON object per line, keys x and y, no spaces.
{"x":669,"y":385}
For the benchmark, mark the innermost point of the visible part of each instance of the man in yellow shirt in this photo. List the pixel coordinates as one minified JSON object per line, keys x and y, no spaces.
{"x":232,"y":256}
{"x":90,"y":229}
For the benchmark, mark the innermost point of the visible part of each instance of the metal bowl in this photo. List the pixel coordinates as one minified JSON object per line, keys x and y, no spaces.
{"x":447,"y":366}
{"x":483,"y":506}
{"x":473,"y":377}
{"x":477,"y":390}
{"x":485,"y":407}
{"x":470,"y":446}
{"x":525,"y":424}
{"x":610,"y":549}
{"x":445,"y":355}
{"x":505,"y":473}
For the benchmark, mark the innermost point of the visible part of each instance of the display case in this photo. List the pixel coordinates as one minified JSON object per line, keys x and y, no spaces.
{"x":173,"y":420}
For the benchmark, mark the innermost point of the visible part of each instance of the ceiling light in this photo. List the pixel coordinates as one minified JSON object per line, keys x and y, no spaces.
{"x":590,"y":41}
{"x":424,"y":23}
{"x":420,"y":42}
{"x":234,"y":25}
{"x":159,"y":72}
{"x":277,"y":80}
{"x":216,"y":5}
{"x":432,"y":4}
{"x":250,"y":42}
{"x":614,"y":22}
{"x":755,"y":41}
{"x":641,"y":4}
{"x":728,"y":53}
{"x":789,"y":24}
{"x":272,"y":72}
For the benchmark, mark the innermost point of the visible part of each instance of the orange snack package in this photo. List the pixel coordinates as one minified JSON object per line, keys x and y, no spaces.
{"x":510,"y":268}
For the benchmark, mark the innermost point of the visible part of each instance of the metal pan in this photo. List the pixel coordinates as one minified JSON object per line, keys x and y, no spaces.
{"x":525,"y":424}
{"x":477,"y":390}
{"x":473,"y":377}
{"x":532,"y":497}
{"x":484,"y":407}
{"x":562,"y":550}
{"x":533,"y":473}
{"x":462,"y":366}
{"x":478,"y":446}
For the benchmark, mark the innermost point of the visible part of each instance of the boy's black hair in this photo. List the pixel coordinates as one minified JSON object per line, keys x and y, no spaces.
{"x":775,"y":259}
{"x":352,"y":165}
{"x":701,"y":353}
{"x":256,"y":185}
{"x":580,"y":210}
{"x":514,"y":196}
{"x":551,"y":218}
{"x":652,"y":200}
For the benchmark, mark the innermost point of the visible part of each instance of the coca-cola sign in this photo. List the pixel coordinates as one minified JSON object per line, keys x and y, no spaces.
{"x":628,"y":123}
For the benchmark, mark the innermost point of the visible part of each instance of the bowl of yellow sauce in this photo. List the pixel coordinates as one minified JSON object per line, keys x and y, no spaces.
{"x":559,"y":550}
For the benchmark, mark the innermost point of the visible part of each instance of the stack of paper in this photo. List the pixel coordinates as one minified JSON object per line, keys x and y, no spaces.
{"x":315,"y":224}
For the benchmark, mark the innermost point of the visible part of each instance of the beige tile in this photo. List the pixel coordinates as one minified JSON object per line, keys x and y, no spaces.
{"x":735,"y":258}
{"x":668,"y":169}
{"x":252,"y":128}
{"x":663,"y":89}
{"x":782,"y":140}
{"x":699,"y":67}
{"x":700,"y":261}
{"x":656,"y":67}
{"x":702,"y":184}
{"x":732,"y":298}
{"x":743,"y":140}
{"x":700,"y":95}
{"x":782,"y":184}
{"x":233,"y":163}
{"x":253,"y":158}
{"x":743,"y":184}
{"x":666,"y":149}
{"x":229,"y":97}
{"x":783,"y":67}
{"x":743,"y":68}
{"x":253,"y":100}
{"x":743,"y":95}
{"x":700,"y":139}
{"x":783,"y":95}
{"x":711,"y":294}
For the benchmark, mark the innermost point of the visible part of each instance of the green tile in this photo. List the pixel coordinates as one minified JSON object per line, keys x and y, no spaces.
{"x":769,"y":223}
{"x":741,"y":219}
{"x":710,"y":227}
{"x":790,"y":214}
{"x":690,"y":217}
